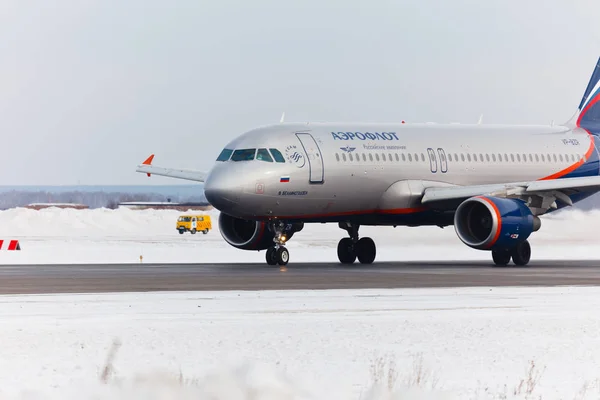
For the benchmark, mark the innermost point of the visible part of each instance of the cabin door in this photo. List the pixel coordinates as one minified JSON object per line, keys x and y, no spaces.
{"x":315,"y":158}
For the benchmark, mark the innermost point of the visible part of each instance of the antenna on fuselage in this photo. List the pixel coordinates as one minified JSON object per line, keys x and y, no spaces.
{"x":282,"y":117}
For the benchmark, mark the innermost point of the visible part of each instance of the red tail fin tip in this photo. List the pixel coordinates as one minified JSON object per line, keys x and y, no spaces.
{"x":149,"y":160}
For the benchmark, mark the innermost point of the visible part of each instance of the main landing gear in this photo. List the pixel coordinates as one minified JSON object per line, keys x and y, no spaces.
{"x":351,"y":248}
{"x":278,"y":254}
{"x":520,"y":254}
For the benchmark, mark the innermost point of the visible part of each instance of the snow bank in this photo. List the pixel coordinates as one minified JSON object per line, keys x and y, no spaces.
{"x":114,"y":236}
{"x":471,"y":343}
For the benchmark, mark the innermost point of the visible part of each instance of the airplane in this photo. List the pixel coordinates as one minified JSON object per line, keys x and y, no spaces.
{"x":491,"y":182}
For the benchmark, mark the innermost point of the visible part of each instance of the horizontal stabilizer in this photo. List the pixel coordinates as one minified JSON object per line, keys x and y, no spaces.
{"x":191,"y":175}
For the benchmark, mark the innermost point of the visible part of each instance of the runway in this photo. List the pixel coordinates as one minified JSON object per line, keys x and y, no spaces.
{"x":39,"y":279}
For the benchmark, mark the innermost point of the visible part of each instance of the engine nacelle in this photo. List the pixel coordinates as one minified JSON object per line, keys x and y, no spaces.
{"x":485,"y":223}
{"x":251,"y":235}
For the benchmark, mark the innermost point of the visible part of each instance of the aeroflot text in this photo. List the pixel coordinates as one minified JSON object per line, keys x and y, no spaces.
{"x":364,"y":136}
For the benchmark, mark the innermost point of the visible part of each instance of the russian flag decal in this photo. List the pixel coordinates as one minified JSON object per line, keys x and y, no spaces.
{"x":284,"y":179}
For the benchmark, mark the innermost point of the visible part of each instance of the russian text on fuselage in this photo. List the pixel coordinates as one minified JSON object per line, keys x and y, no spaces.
{"x":364,"y":136}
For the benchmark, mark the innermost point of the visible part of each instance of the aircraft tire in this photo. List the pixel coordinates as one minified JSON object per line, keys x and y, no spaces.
{"x":366,"y":250}
{"x":346,"y":251}
{"x":521,"y":254}
{"x":270,"y":256}
{"x":282,"y":255}
{"x":501,"y":257}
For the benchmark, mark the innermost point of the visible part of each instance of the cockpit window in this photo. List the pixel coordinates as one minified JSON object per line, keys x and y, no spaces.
{"x":243,"y":155}
{"x":225,"y":154}
{"x":263,"y":155}
{"x":277,"y":155}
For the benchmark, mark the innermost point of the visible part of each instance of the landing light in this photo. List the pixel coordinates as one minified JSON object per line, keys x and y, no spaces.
{"x":283,"y":238}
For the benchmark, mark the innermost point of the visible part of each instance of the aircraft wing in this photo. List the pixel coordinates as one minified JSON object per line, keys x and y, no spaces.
{"x":558,"y":188}
{"x":187,"y":174}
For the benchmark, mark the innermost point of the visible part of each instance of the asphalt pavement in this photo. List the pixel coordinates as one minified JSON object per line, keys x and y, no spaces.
{"x":95,"y":278}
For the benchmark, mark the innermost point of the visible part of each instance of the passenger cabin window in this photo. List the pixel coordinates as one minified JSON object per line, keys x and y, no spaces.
{"x":243,"y":155}
{"x":263,"y":155}
{"x":225,"y":154}
{"x":277,"y":155}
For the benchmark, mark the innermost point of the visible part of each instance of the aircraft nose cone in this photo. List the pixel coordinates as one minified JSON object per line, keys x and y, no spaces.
{"x":222,"y":191}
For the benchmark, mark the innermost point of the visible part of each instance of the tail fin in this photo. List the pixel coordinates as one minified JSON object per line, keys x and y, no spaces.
{"x":588,"y":112}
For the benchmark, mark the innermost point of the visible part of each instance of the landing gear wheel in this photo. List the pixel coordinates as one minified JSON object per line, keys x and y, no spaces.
{"x":501,"y":257}
{"x":346,"y":252}
{"x":366,"y":250}
{"x":521,"y":254}
{"x":282,"y":255}
{"x":271,"y":256}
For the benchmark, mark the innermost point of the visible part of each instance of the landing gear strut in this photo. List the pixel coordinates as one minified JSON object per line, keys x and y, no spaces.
{"x":278,"y":254}
{"x":520,"y":254}
{"x":351,"y":248}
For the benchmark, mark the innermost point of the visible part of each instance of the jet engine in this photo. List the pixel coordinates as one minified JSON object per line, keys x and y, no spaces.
{"x":486,"y":223}
{"x":251,"y":235}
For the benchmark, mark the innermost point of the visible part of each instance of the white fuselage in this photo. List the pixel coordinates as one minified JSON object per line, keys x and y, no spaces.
{"x":377,"y":172}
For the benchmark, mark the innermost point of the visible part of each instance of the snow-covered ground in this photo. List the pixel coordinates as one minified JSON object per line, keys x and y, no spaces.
{"x":114,"y":236}
{"x":467,"y":343}
{"x":464,"y":344}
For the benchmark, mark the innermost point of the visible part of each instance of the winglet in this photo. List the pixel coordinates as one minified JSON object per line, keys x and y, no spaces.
{"x":149,"y":162}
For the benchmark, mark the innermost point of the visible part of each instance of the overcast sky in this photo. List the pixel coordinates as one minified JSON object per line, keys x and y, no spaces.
{"x":88,"y":89}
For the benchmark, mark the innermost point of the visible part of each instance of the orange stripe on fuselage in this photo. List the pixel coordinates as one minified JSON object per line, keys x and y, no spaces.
{"x":573,"y":167}
{"x":498,"y":217}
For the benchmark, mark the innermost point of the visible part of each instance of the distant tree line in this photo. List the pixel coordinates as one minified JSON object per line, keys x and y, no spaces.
{"x":16,"y":198}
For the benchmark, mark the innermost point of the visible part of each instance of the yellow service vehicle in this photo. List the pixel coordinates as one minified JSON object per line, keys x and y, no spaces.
{"x":194,"y":223}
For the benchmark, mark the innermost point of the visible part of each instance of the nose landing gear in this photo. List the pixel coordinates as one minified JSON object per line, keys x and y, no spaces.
{"x":349,"y":249}
{"x":278,"y":254}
